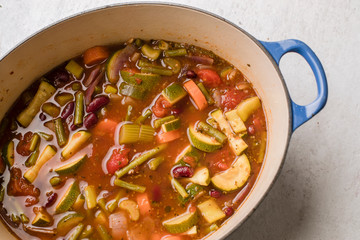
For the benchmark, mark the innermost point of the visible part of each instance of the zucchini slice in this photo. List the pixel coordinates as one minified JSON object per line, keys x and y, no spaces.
{"x":174,"y":93}
{"x":71,"y":167}
{"x":134,"y":91}
{"x":171,"y":125}
{"x":211,"y":211}
{"x":69,"y":198}
{"x":8,"y":153}
{"x":203,"y":142}
{"x":132,"y":208}
{"x":68,"y":222}
{"x":42,"y":219}
{"x":145,"y":80}
{"x":189,"y":151}
{"x":76,"y":142}
{"x":235,"y":177}
{"x":201,"y":176}
{"x":247,"y":107}
{"x":235,"y":121}
{"x":181,"y":223}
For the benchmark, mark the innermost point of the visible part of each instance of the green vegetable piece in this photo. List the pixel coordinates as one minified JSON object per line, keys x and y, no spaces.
{"x":161,"y":121}
{"x":102,"y":204}
{"x":138,"y":42}
{"x":201,"y":176}
{"x":42,"y":219}
{"x":175,"y":52}
{"x":54,"y":181}
{"x":163,"y":45}
{"x":2,"y":193}
{"x":8,"y":153}
{"x":51,"y":109}
{"x":132,"y":208}
{"x":60,"y":134}
{"x":145,"y":63}
{"x":68,"y":199}
{"x":235,"y":121}
{"x":248,"y":107}
{"x":174,"y":93}
{"x":46,"y":136}
{"x":150,"y":52}
{"x":103,"y":233}
{"x":71,"y":167}
{"x":211,"y":211}
{"x":44,"y":92}
{"x":129,"y":133}
{"x":77,"y":232}
{"x":146,"y":133}
{"x":213,"y":227}
{"x":140,"y":160}
{"x":87,"y":232}
{"x":76,"y":143}
{"x":128,"y":113}
{"x":79,"y":108}
{"x":189,"y":151}
{"x":68,"y":222}
{"x":48,"y":153}
{"x":174,"y":64}
{"x":181,"y":223}
{"x":208,"y":97}
{"x":157,"y":70}
{"x":114,"y":203}
{"x":110,"y":89}
{"x":63,"y":98}
{"x":203,"y":142}
{"x":155,"y":162}
{"x":90,"y":196}
{"x":129,"y":186}
{"x":75,"y":69}
{"x":34,"y":142}
{"x":206,"y":128}
{"x":133,"y":91}
{"x":76,"y":86}
{"x":171,"y":125}
{"x":141,"y":119}
{"x":179,"y":188}
{"x":24,"y":218}
{"x":32,"y":158}
{"x":235,"y":177}
{"x":79,"y":203}
{"x":225,"y":72}
{"x":192,"y":190}
{"x":97,"y":90}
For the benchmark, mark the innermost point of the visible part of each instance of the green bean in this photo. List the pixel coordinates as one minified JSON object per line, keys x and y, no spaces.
{"x":76,"y":86}
{"x":102,"y":204}
{"x":15,"y":218}
{"x":128,"y":113}
{"x":208,"y":97}
{"x":179,"y":188}
{"x":174,"y":64}
{"x":219,"y":136}
{"x":143,"y":116}
{"x":24,"y":218}
{"x":2,"y":193}
{"x":77,"y":232}
{"x":32,"y":159}
{"x":175,"y":52}
{"x":35,"y":140}
{"x":139,"y":160}
{"x":113,"y":205}
{"x":157,"y":70}
{"x":54,"y":181}
{"x":130,"y":186}
{"x":145,"y":63}
{"x":138,"y":42}
{"x":61,"y":137}
{"x":87,"y":232}
{"x":103,"y":233}
{"x":79,"y":108}
{"x":155,"y":162}
{"x":46,"y":136}
{"x":161,"y":121}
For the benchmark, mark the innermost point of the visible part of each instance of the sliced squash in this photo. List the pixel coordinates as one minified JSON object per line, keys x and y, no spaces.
{"x":147,"y":80}
{"x":69,"y":198}
{"x":235,"y":121}
{"x":247,"y":107}
{"x":181,"y":223}
{"x":8,"y":153}
{"x":189,"y":151}
{"x":211,"y":211}
{"x":234,"y":177}
{"x":174,"y":93}
{"x":71,"y":167}
{"x":203,"y":142}
{"x":75,"y":144}
{"x":201,"y":176}
{"x":42,"y":219}
{"x":68,"y":222}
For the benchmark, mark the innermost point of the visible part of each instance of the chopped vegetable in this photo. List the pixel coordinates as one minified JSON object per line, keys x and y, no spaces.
{"x":143,"y":202}
{"x":150,"y":52}
{"x":32,"y":158}
{"x":75,"y":234}
{"x":54,"y":181}
{"x":210,"y":211}
{"x":118,"y":159}
{"x":42,"y":219}
{"x":132,"y":208}
{"x":247,"y":107}
{"x":87,"y":232}
{"x":163,"y":45}
{"x":75,"y":69}
{"x":118,"y":225}
{"x":166,"y":137}
{"x":204,"y":91}
{"x":143,"y":116}
{"x":103,"y":233}
{"x":35,"y":140}
{"x":161,"y":121}
{"x":8,"y":153}
{"x":174,"y":93}
{"x":76,"y":142}
{"x":235,"y":121}
{"x":44,"y":92}
{"x":206,"y":128}
{"x":179,"y":188}
{"x":48,"y":153}
{"x":174,"y":64}
{"x":188,"y":152}
{"x":90,"y":196}
{"x":132,"y":133}
{"x":79,"y":108}
{"x":50,"y":109}
{"x":130,"y":186}
{"x":60,"y":134}
{"x":116,"y":62}
{"x":175,"y":52}
{"x":203,"y":142}
{"x":69,"y":198}
{"x":95,"y":55}
{"x":181,"y":223}
{"x":67,"y":222}
{"x":157,"y":70}
{"x":155,"y":162}
{"x":133,"y":91}
{"x":201,"y":176}
{"x":113,"y":205}
{"x":196,"y":95}
{"x":171,"y":125}
{"x":63,"y":98}
{"x":209,"y":77}
{"x":110,"y":89}
{"x":71,"y":167}
{"x":145,"y":80}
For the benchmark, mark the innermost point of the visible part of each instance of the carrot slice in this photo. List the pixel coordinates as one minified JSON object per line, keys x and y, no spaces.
{"x":95,"y":55}
{"x":106,"y":126}
{"x":143,"y":203}
{"x":196,"y":94}
{"x":168,"y":136}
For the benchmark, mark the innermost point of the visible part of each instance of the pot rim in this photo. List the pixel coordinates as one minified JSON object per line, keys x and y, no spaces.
{"x":210,"y":14}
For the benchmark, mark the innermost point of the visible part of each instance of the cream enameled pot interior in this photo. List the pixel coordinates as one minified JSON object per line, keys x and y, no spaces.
{"x":116,"y":24}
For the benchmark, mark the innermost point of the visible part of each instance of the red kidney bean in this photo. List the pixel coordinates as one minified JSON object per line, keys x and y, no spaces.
{"x":182,"y":171}
{"x":73,"y":127}
{"x":215,"y":193}
{"x":59,"y":77}
{"x":90,"y":120}
{"x":51,"y":200}
{"x":191,"y":74}
{"x":97,"y":103}
{"x":228,"y":211}
{"x":156,"y":193}
{"x":42,"y":116}
{"x":251,"y":129}
{"x":68,"y":110}
{"x":176,"y":111}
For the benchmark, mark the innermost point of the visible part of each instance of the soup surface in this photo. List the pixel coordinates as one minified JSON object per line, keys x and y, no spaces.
{"x":142,"y":140}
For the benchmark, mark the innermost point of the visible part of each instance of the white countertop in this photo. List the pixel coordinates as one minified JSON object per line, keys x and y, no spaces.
{"x":317,"y":195}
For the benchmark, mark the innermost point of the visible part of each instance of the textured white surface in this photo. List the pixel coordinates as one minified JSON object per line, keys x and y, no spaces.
{"x":317,"y":195}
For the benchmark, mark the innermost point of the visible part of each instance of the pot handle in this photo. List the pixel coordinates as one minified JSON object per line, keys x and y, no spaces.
{"x":301,"y":114}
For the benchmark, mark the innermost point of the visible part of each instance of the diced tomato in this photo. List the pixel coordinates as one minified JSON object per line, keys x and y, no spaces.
{"x":118,"y":159}
{"x":18,"y":186}
{"x":232,"y":98}
{"x":209,"y":77}
{"x":23,"y":146}
{"x":156,"y":193}
{"x":161,"y":107}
